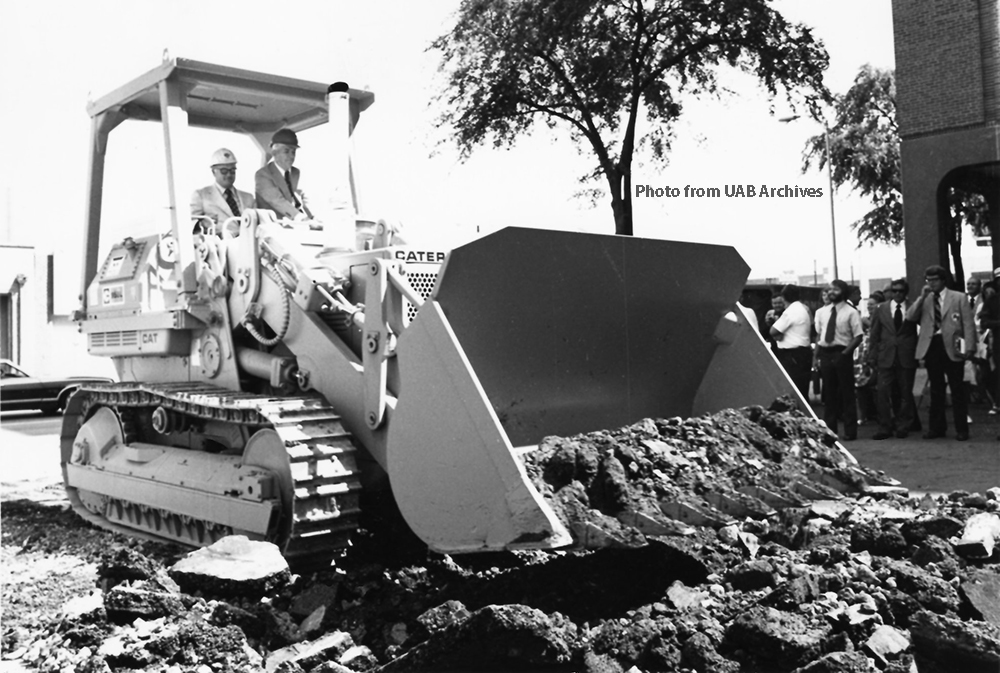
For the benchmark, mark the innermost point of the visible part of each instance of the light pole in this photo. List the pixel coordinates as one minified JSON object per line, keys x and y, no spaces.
{"x":829,"y":178}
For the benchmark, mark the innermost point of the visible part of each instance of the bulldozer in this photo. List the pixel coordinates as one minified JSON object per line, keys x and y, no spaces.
{"x":273,"y":371}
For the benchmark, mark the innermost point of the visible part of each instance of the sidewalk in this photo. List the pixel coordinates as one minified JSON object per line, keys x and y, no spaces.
{"x":936,"y":465}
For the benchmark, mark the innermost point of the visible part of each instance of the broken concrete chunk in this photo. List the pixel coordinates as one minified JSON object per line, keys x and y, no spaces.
{"x":683,"y":597}
{"x":885,"y":643}
{"x":696,"y":515}
{"x":776,"y":638}
{"x":313,"y":597}
{"x":309,"y":654}
{"x":944,"y":527}
{"x":233,"y":566}
{"x":942,"y":643}
{"x":124,"y":604}
{"x":979,"y":536}
{"x":983,"y":592}
{"x":313,"y":621}
{"x":838,"y":662}
{"x":752,"y":575}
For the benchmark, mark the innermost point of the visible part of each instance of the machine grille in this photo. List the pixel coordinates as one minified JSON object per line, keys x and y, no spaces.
{"x":116,"y":339}
{"x":423,"y":283}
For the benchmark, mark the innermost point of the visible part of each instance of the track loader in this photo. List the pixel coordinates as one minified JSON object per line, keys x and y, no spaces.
{"x":267,"y":377}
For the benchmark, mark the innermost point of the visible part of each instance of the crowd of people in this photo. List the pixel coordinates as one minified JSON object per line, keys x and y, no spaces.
{"x":863,"y":361}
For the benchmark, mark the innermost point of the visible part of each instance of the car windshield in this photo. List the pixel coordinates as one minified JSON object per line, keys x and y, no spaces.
{"x":9,"y":371}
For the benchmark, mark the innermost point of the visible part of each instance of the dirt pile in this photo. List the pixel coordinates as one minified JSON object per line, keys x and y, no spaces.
{"x":741,"y":541}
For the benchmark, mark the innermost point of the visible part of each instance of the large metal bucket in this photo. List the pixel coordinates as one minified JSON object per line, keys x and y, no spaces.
{"x":532,"y":333}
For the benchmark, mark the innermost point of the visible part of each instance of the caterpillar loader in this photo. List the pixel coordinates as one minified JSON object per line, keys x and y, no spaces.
{"x":267,"y":377}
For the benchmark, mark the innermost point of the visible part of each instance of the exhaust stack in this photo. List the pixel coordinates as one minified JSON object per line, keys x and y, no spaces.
{"x":338,"y":211}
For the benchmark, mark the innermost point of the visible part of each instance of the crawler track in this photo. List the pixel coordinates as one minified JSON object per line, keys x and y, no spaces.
{"x":311,"y":454}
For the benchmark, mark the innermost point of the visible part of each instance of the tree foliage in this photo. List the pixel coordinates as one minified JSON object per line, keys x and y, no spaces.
{"x":596,"y":66}
{"x":864,"y":153}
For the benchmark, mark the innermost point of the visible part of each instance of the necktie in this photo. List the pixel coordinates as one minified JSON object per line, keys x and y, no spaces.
{"x":288,"y":181}
{"x":231,"y":200}
{"x":831,"y":326}
{"x":898,"y":317}
{"x":937,"y":312}
{"x":972,"y":302}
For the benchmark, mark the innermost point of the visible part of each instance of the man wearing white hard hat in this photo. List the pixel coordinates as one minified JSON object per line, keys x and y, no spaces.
{"x":277,"y":182}
{"x":220,"y":200}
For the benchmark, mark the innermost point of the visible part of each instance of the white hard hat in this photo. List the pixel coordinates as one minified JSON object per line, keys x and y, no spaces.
{"x":222,"y":156}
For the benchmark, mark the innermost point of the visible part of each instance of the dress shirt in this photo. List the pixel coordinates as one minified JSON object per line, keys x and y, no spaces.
{"x":847,"y":327}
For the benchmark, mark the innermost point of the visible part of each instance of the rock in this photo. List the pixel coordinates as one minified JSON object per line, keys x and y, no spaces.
{"x":124,"y":604}
{"x":931,"y":592}
{"x":885,"y":643}
{"x":508,"y":636}
{"x":982,"y":589}
{"x":699,"y":653}
{"x":793,"y":593}
{"x":313,"y":621}
{"x":837,"y":662}
{"x":979,"y":536}
{"x":752,"y":575}
{"x":122,"y":564}
{"x":935,"y":550}
{"x":683,"y":597}
{"x":233,"y":566}
{"x":358,"y":658}
{"x":438,"y":619}
{"x":943,"y":644}
{"x":594,"y":662}
{"x":881,"y":541}
{"x":316,"y":595}
{"x":917,"y":530}
{"x":309,"y":654}
{"x":774,"y":638}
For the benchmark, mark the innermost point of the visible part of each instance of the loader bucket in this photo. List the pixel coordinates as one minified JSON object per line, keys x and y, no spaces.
{"x":531,"y":333}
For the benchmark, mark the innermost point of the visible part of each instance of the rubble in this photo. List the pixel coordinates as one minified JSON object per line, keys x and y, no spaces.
{"x":233,"y":566}
{"x":745,"y":540}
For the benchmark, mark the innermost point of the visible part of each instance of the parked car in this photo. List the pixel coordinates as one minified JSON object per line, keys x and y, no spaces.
{"x":20,"y":390}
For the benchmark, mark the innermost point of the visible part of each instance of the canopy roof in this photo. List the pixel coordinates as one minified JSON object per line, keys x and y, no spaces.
{"x":221,"y":97}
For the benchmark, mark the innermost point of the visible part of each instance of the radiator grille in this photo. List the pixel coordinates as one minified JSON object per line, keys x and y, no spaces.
{"x":116,"y":339}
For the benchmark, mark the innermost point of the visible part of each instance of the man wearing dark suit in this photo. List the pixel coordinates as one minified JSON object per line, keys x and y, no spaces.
{"x":221,"y":201}
{"x":892,"y":342}
{"x":947,"y":339}
{"x":277,"y":183}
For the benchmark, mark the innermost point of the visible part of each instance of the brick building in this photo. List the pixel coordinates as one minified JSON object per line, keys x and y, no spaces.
{"x":948,"y":110}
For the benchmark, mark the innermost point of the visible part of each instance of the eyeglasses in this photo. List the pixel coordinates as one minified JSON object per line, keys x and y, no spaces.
{"x":227,"y":171}
{"x":898,"y":289}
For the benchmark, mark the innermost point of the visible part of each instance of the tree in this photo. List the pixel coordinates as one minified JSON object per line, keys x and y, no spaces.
{"x":595,"y":66}
{"x":864,"y":153}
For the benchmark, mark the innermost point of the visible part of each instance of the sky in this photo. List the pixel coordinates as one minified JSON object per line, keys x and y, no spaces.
{"x":59,"y":54}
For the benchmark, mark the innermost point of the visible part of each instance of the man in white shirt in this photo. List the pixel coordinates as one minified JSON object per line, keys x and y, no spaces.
{"x":839,"y":332}
{"x":792,"y":334}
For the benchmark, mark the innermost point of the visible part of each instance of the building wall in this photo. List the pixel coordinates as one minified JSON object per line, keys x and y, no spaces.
{"x":948,"y":109}
{"x":939,"y":64}
{"x":47,"y":344}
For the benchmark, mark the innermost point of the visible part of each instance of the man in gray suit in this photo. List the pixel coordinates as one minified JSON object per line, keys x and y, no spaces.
{"x":892,"y":347}
{"x":947,"y":339}
{"x":220,"y":200}
{"x":277,"y":183}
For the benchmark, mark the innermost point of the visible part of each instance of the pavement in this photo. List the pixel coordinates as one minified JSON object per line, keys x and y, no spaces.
{"x":935,"y":465}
